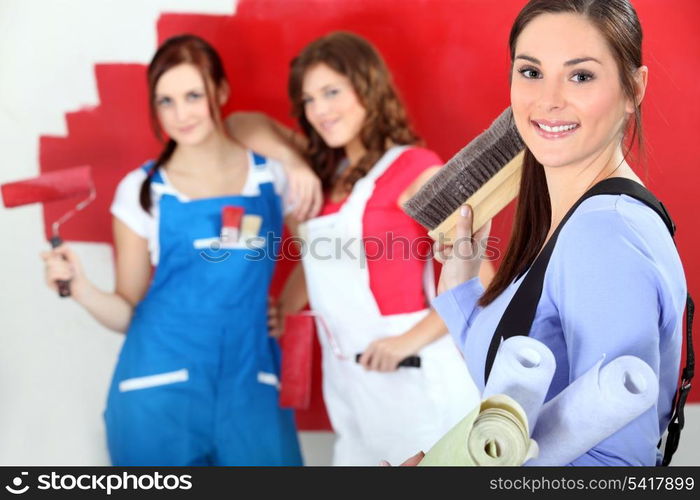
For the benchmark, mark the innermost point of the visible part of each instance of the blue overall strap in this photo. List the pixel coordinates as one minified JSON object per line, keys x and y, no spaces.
{"x":258,"y":159}
{"x":520,"y":313}
{"x":149,"y":168}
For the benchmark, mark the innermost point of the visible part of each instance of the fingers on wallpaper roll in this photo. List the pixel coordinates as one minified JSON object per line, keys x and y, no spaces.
{"x":523,"y":369}
{"x":593,"y":407}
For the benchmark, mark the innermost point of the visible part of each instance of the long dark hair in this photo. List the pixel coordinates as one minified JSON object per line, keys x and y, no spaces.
{"x":354,"y":57}
{"x":617,"y":21}
{"x":174,"y":51}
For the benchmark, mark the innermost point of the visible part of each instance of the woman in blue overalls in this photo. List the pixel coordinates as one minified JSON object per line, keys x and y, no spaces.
{"x":196,"y":381}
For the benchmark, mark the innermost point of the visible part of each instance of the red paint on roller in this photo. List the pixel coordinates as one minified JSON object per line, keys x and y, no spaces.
{"x":57,"y":185}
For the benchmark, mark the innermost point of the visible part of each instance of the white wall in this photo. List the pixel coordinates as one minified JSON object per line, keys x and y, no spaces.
{"x":55,"y":360}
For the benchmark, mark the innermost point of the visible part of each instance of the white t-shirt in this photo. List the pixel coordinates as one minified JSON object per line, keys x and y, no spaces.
{"x":127,"y":207}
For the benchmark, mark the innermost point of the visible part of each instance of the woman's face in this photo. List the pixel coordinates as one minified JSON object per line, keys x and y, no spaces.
{"x":565,"y":91}
{"x":331,"y":106}
{"x":182,"y":105}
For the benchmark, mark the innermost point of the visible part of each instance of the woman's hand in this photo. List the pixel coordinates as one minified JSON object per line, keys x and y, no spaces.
{"x":305,"y":190}
{"x":384,"y":355}
{"x":462,"y":260}
{"x":414,"y":460}
{"x":275,"y":319}
{"x":61,"y":263}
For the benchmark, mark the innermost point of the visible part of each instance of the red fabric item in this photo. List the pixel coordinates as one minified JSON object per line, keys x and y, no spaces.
{"x":315,"y":417}
{"x":301,"y":374}
{"x":297,"y":349}
{"x":396,"y":245}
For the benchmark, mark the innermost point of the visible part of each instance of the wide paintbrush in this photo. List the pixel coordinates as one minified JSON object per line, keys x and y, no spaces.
{"x":485,"y":174}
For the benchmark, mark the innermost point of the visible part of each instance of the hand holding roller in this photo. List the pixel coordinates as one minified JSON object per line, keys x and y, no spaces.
{"x":53,"y":186}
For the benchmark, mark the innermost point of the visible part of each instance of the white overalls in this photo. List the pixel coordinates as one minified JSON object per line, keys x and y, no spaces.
{"x":376,"y":415}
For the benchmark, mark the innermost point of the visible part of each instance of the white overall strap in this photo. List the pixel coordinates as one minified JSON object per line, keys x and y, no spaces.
{"x":161,"y":188}
{"x":364,"y":187}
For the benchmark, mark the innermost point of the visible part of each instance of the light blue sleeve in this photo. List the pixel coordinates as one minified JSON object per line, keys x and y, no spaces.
{"x":607,"y":290}
{"x":456,"y":306}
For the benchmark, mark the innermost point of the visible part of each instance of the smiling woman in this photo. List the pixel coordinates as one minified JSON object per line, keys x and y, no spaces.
{"x":196,"y":380}
{"x":592,"y":84}
{"x":614,"y":284}
{"x":375,"y":298}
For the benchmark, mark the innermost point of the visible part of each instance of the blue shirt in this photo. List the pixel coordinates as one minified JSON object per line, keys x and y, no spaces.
{"x":614,"y":285}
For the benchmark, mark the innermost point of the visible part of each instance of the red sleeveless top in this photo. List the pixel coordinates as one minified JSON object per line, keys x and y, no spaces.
{"x":396,"y":246}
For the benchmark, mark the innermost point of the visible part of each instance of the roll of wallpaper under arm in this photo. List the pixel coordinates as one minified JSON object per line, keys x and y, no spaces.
{"x":523,"y":369}
{"x":495,"y":433}
{"x":592,"y":408}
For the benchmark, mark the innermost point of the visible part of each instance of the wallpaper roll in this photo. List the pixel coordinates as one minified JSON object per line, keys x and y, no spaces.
{"x":523,"y":369}
{"x":593,"y":407}
{"x":495,"y":433}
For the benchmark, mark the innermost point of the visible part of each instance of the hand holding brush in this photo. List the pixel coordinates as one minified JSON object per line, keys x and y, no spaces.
{"x":461,"y":260}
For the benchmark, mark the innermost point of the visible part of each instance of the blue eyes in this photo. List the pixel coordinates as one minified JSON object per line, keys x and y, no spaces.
{"x":327,"y":94}
{"x":583,"y":76}
{"x":190,"y":97}
{"x":578,"y":77}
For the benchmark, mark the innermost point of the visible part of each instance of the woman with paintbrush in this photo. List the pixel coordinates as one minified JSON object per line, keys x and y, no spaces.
{"x":365,"y":268}
{"x":614,"y":284}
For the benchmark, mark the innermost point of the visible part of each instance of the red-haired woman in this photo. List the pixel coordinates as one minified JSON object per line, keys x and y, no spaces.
{"x":196,"y":381}
{"x":365,"y":266}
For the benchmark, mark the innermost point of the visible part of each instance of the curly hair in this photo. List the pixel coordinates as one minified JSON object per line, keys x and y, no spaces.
{"x":386,"y":121}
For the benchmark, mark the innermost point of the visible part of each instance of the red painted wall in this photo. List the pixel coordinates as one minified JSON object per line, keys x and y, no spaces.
{"x":450,"y":62}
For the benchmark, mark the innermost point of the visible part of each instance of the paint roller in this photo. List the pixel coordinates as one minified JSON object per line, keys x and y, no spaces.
{"x":53,"y":186}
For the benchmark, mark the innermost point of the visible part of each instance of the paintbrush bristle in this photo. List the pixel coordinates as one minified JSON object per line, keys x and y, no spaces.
{"x":466,"y":172}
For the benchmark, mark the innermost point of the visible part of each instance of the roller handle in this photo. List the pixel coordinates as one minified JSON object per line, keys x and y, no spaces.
{"x":409,"y":362}
{"x":63,"y":285}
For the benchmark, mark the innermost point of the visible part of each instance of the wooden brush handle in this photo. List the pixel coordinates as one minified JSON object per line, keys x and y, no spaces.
{"x":487,"y":201}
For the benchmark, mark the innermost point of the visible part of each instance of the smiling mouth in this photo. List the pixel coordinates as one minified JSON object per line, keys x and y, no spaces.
{"x":185,"y":130}
{"x":327,"y":125}
{"x":554,"y":130}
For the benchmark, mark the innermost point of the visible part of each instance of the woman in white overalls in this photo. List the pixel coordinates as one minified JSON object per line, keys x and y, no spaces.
{"x":369,"y":295}
{"x":196,"y":381}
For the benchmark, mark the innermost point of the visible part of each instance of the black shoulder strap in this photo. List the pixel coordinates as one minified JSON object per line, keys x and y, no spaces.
{"x":520,"y":313}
